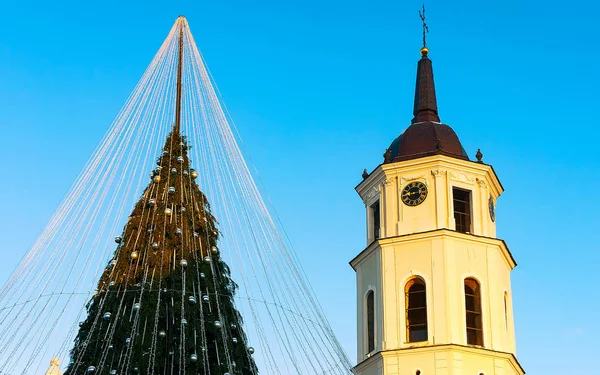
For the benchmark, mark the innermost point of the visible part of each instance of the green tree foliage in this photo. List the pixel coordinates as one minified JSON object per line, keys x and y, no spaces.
{"x":165,"y":302}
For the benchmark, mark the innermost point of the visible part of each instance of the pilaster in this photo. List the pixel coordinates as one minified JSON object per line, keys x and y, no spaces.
{"x":441,"y":197}
{"x":483,"y":208}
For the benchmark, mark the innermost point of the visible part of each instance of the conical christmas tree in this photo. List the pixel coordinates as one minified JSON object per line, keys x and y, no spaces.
{"x":165,"y":302}
{"x":162,"y":300}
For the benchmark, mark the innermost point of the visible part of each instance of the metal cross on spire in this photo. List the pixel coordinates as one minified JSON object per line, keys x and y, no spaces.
{"x":425,"y":28}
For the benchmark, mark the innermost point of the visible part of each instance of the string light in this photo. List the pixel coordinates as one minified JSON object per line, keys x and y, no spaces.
{"x":60,"y":273}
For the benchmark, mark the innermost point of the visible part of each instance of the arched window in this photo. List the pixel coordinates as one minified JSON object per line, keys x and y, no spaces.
{"x":370,"y":321}
{"x":473,"y":312}
{"x":416,"y":310}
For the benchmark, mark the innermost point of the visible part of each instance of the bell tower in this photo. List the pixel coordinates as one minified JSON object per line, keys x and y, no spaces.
{"x":433,"y":283}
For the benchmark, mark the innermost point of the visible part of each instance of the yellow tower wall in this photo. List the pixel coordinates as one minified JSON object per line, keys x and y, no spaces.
{"x":440,"y":174}
{"x":422,"y":242}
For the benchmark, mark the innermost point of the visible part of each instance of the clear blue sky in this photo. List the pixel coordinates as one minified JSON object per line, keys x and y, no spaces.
{"x":318,"y":90}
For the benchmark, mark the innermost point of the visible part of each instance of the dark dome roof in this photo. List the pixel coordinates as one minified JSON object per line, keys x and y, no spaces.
{"x":424,"y":139}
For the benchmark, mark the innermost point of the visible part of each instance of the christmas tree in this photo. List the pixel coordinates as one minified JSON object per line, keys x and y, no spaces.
{"x":165,"y":301}
{"x":162,"y":300}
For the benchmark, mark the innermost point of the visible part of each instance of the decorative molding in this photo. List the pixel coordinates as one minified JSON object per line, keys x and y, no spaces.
{"x":374,"y":191}
{"x":377,"y":190}
{"x":461,"y":177}
{"x":421,"y":176}
{"x":438,"y":172}
{"x":481,"y":183}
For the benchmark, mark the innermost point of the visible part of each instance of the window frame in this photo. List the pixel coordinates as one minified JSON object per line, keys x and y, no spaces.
{"x":476,"y":313}
{"x":375,"y":220}
{"x":414,"y":281}
{"x":369,"y":320}
{"x":465,"y":222}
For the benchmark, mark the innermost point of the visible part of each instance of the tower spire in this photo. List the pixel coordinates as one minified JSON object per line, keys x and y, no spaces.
{"x":425,"y":108}
{"x":182,"y":23}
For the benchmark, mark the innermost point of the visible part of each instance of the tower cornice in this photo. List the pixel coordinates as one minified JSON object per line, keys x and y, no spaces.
{"x":438,"y":233}
{"x":455,"y":348}
{"x":387,"y":170}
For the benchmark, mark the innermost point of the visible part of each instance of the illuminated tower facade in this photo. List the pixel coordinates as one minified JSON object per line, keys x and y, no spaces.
{"x":433,"y":283}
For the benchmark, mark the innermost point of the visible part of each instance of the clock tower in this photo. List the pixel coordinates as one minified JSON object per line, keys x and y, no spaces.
{"x":433,"y":283}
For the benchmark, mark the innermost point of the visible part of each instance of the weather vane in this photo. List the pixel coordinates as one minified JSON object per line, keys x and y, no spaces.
{"x":425,"y":28}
